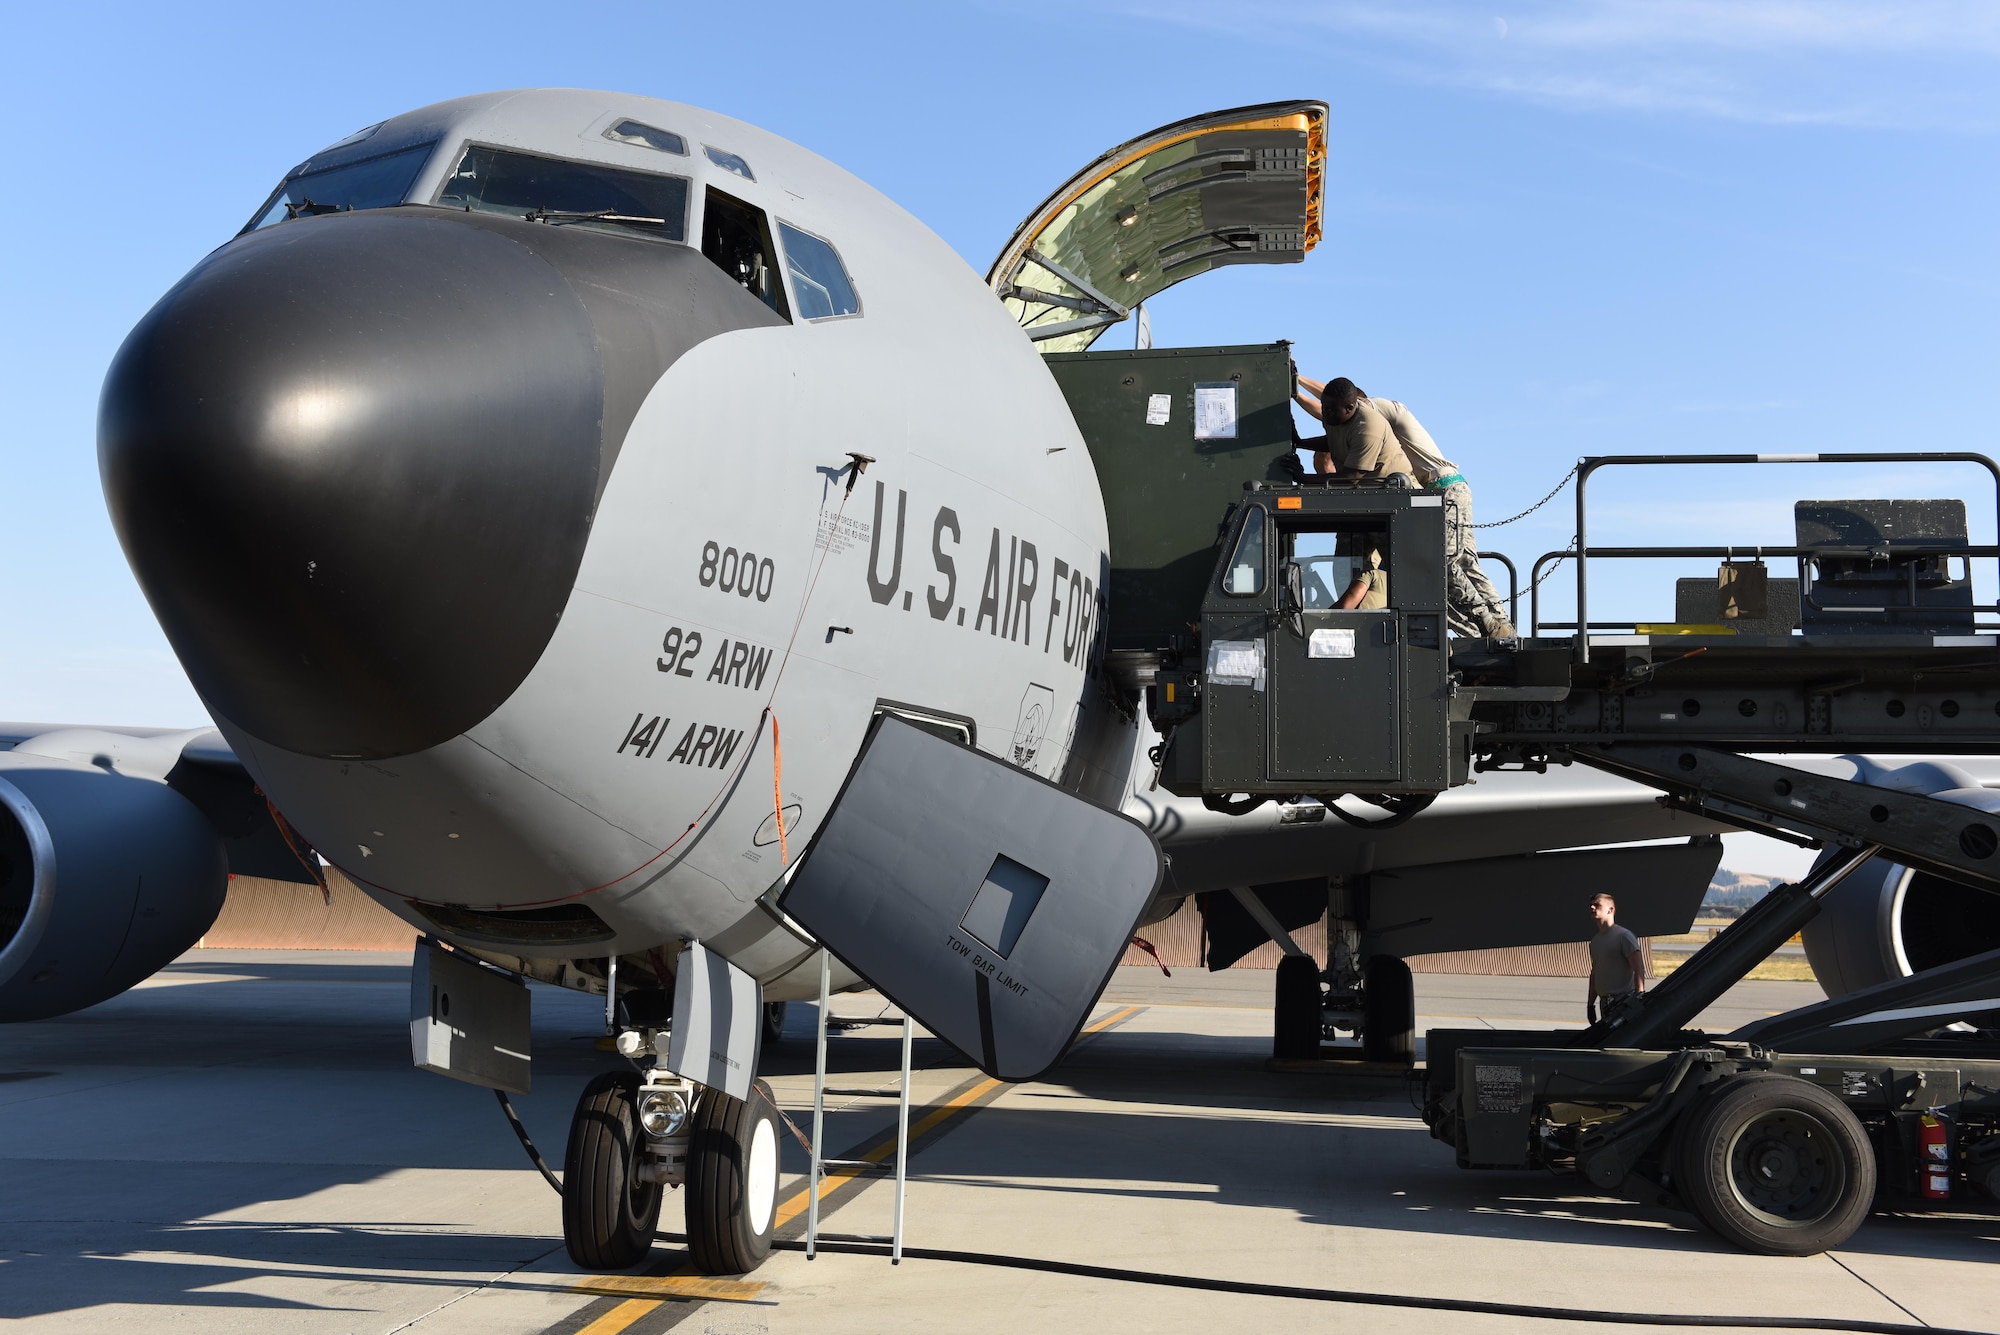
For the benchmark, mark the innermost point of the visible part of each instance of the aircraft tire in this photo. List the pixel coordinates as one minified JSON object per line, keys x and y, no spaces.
{"x":1295,"y":1013}
{"x":774,"y":1021}
{"x":1776,"y":1165}
{"x":732,"y":1182}
{"x":1389,"y":1011}
{"x":608,"y":1214}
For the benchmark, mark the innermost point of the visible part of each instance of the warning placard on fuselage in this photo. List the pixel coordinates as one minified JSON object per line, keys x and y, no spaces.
{"x":984,"y":901}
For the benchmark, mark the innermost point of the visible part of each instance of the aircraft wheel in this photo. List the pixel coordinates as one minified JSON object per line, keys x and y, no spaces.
{"x":1777,"y":1165}
{"x":732,"y":1182}
{"x":1389,"y":1011}
{"x":608,"y":1213}
{"x":774,"y":1021}
{"x":1295,"y":1028}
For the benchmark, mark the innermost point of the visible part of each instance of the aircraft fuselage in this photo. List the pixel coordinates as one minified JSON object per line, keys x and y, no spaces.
{"x":524,"y":560}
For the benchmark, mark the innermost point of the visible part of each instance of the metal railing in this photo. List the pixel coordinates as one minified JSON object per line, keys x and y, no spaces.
{"x":1513,"y":584}
{"x":1582,"y":552}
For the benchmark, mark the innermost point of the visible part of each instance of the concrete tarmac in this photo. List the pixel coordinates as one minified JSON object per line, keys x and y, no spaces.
{"x":240,"y":1144}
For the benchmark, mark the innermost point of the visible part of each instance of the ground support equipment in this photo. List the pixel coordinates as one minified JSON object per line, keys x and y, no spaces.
{"x":1781,"y":1136}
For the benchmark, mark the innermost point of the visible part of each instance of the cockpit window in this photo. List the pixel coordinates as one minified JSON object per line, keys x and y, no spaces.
{"x":365,"y":132}
{"x":371,"y":183}
{"x":819,"y":279}
{"x":729,"y":162}
{"x":559,"y":192}
{"x":647,"y":136}
{"x":737,"y":237}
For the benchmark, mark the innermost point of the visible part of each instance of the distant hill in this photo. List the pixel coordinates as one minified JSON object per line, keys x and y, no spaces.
{"x":1731,"y":892}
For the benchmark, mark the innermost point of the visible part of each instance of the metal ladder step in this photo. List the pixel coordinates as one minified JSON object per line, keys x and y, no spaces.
{"x":859,"y":1165}
{"x":821,"y":1089}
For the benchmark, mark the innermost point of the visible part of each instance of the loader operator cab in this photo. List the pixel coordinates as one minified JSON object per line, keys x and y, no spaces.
{"x":1322,"y":645}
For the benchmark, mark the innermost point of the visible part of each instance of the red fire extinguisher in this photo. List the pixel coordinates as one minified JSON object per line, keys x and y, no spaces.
{"x":1934,"y":1155}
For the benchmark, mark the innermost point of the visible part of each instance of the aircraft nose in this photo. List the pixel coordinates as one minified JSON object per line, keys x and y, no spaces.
{"x":352,"y":461}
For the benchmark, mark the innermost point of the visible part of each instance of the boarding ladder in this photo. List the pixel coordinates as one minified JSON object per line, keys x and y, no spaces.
{"x":820,"y":1163}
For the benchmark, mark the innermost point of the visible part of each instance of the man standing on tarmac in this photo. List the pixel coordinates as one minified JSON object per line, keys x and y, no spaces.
{"x":1617,"y":967}
{"x":1371,"y":437}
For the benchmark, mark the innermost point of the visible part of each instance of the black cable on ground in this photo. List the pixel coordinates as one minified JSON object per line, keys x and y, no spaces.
{"x":514,"y":1120}
{"x":1369,"y":1299}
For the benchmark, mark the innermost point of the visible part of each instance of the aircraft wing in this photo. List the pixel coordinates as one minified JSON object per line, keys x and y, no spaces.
{"x":196,"y":763}
{"x":1505,"y":813}
{"x":13,"y":734}
{"x":1229,"y":187}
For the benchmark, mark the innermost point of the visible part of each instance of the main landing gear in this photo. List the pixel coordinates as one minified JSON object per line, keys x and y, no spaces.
{"x":1370,"y":996}
{"x":1377,"y":1001}
{"x":638,"y":1134}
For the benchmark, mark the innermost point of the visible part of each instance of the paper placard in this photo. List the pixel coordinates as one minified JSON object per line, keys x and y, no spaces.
{"x":1331,"y":643}
{"x":1159,"y":407}
{"x":1215,"y":411}
{"x":1236,"y":663}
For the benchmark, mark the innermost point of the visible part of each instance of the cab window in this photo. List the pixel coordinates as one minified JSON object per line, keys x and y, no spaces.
{"x":1244,"y":575}
{"x":372,"y":183}
{"x":1338,"y":568}
{"x":737,"y":237}
{"x":819,"y":280}
{"x":560,"y":192}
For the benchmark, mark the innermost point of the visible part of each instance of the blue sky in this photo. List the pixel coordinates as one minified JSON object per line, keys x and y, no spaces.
{"x":1552,"y":229}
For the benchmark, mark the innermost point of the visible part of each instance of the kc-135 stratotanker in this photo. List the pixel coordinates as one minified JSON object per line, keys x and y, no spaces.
{"x":650,"y":562}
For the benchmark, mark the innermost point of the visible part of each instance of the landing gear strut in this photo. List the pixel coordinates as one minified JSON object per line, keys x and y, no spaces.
{"x":637,"y":1134}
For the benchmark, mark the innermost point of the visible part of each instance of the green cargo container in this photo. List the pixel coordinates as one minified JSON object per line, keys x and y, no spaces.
{"x":1166,"y":489}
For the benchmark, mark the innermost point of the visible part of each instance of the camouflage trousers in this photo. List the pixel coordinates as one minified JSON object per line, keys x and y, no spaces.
{"x":1475,"y":607}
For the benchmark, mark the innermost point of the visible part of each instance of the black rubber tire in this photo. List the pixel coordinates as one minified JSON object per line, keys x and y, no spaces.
{"x":774,"y":1022}
{"x":608,"y":1215}
{"x":1389,"y":1011}
{"x":1296,"y":1010}
{"x":732,"y":1182}
{"x":1776,"y":1165}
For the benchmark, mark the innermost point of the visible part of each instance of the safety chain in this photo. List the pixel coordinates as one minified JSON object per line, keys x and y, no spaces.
{"x":1568,"y":552}
{"x":1502,"y":523}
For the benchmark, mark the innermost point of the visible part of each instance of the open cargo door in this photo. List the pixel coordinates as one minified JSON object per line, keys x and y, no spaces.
{"x":1230,"y":187}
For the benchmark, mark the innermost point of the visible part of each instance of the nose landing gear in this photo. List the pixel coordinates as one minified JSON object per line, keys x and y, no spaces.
{"x":636,"y":1134}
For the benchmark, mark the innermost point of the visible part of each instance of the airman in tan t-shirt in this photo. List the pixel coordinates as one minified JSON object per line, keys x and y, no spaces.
{"x":1362,"y":443}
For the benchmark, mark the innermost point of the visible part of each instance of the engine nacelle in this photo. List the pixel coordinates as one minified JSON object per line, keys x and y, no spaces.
{"x":1887,"y":921}
{"x":104,"y":877}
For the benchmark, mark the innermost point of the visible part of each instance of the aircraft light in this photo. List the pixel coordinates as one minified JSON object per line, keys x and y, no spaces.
{"x":662,"y":1112}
